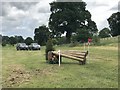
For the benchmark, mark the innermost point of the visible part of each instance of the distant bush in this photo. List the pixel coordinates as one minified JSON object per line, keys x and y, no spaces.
{"x":28,"y":40}
{"x":96,"y":40}
{"x":54,"y":41}
{"x":49,"y":47}
{"x":61,"y":40}
{"x":3,"y":44}
{"x":73,"y":44}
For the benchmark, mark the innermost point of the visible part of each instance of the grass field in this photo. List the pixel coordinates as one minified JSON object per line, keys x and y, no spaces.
{"x":29,"y":69}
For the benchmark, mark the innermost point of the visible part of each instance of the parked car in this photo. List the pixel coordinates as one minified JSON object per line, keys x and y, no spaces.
{"x":34,"y":46}
{"x":21,"y":46}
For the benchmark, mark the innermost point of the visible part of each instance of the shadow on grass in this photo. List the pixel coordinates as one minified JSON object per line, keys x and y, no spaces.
{"x":62,"y":62}
{"x":70,"y":63}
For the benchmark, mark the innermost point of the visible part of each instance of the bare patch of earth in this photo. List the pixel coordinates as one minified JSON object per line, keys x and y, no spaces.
{"x":17,"y":76}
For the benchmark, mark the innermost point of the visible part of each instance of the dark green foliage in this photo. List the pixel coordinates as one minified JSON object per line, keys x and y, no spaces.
{"x":114,"y":24}
{"x":73,"y":44}
{"x":0,"y":39}
{"x":41,"y":35}
{"x":81,"y":35}
{"x":12,"y":40}
{"x":19,"y":39}
{"x":55,"y":42}
{"x":105,"y":32}
{"x":92,"y":28}
{"x":3,"y":44}
{"x":68,"y":17}
{"x":96,"y":40}
{"x":49,"y":47}
{"x":28,"y":40}
{"x":61,"y":40}
{"x":5,"y":40}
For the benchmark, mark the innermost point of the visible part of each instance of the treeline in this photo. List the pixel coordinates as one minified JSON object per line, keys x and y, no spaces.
{"x":15,"y":39}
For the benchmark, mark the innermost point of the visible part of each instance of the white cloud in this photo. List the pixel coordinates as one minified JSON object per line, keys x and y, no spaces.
{"x":101,"y":11}
{"x":22,"y":20}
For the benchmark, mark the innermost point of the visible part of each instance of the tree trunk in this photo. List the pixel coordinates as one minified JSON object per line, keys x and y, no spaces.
{"x":68,"y":37}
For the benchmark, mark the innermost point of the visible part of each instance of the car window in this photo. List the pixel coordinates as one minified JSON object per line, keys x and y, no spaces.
{"x":34,"y":44}
{"x":23,"y":44}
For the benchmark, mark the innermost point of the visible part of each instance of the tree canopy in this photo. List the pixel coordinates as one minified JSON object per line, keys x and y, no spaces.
{"x":11,"y":40}
{"x":0,"y":39}
{"x":68,"y":17}
{"x":28,"y":40}
{"x":41,"y":35}
{"x":114,"y":23}
{"x":105,"y":32}
{"x":19,"y":39}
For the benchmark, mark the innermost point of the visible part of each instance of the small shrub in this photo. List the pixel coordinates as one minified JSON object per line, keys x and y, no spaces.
{"x":49,"y":47}
{"x":54,"y":41}
{"x":96,"y":40}
{"x":3,"y":44}
{"x":73,"y":44}
{"x":61,"y":40}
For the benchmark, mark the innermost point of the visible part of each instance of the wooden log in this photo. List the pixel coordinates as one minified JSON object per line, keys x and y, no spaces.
{"x":50,"y":55}
{"x":73,"y":51}
{"x":75,"y":55}
{"x":80,"y":54}
{"x":67,"y":56}
{"x":53,"y":56}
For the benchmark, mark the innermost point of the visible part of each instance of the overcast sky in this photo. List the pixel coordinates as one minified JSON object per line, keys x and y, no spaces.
{"x":21,"y":18}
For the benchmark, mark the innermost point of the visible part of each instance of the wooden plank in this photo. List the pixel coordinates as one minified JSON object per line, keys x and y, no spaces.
{"x":67,"y":56}
{"x":83,"y":54}
{"x":75,"y":51}
{"x":74,"y":55}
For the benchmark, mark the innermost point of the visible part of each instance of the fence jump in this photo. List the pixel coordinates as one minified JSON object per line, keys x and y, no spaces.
{"x":53,"y":56}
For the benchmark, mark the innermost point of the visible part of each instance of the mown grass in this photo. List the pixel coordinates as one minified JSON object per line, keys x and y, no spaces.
{"x":101,"y":70}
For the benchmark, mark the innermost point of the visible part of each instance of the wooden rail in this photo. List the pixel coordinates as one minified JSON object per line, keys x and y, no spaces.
{"x":71,"y":54}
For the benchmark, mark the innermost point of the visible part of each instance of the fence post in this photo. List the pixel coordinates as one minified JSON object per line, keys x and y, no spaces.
{"x":84,"y":46}
{"x":88,"y":50}
{"x":59,"y":57}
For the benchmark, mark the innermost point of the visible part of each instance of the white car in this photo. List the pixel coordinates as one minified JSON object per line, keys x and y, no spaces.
{"x":21,"y":46}
{"x":34,"y":46}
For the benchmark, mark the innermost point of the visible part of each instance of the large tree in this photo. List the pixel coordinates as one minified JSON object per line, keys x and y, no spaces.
{"x":19,"y":39}
{"x":28,"y":40}
{"x":81,"y":35}
{"x":114,"y":23}
{"x":105,"y":32}
{"x":12,"y":40}
{"x":68,"y":17}
{"x":5,"y":40}
{"x":0,"y":39}
{"x":41,"y":35}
